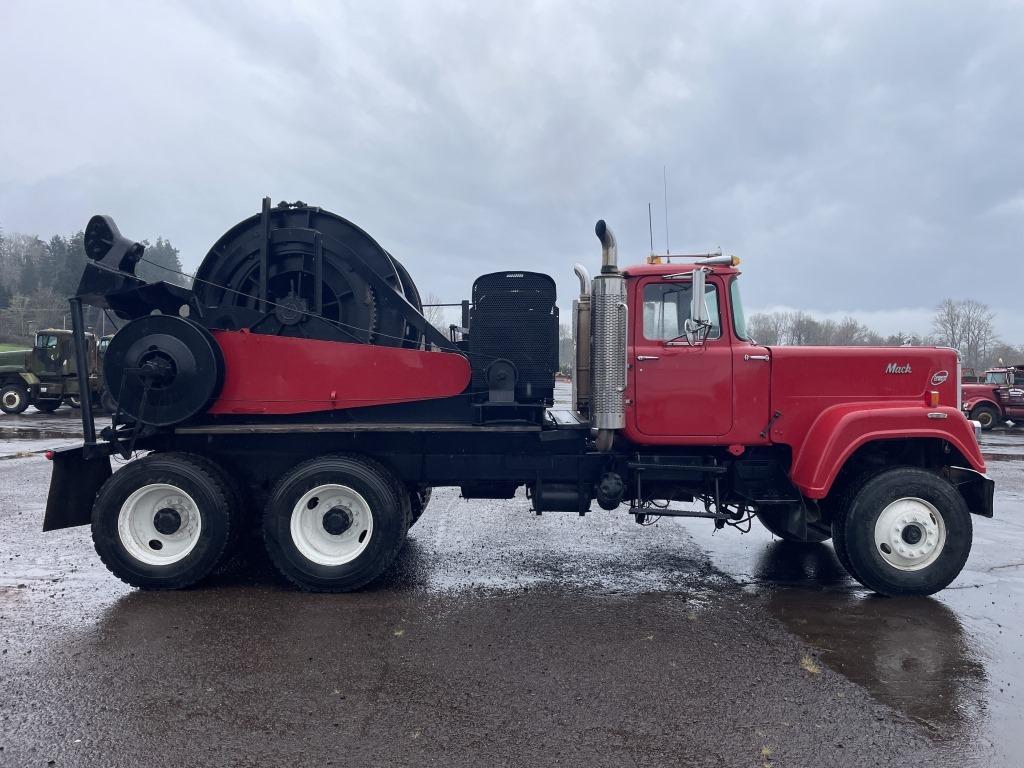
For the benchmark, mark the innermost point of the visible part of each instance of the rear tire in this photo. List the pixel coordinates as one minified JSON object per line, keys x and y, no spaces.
{"x":163,"y":522}
{"x":906,"y":531}
{"x":985,"y":415}
{"x":47,"y":406}
{"x":13,"y":399}
{"x":336,"y":523}
{"x":75,"y":401}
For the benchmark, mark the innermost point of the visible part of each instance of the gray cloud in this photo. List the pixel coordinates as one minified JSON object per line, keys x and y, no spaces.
{"x":859,"y":156}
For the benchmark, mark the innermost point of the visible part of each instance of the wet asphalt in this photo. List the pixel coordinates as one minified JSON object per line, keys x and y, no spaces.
{"x":504,"y":638}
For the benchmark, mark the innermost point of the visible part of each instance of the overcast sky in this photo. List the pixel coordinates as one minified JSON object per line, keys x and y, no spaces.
{"x":860,"y":157}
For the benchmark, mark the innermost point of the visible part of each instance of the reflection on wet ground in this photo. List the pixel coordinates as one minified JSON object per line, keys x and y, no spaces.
{"x":911,"y":653}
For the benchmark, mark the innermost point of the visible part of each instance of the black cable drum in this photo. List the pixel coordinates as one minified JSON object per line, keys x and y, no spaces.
{"x":317,"y":284}
{"x":163,"y":369}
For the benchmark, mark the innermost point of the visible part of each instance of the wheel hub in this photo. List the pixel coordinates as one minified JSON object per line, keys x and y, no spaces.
{"x":337,"y":520}
{"x":167,"y":521}
{"x":910,"y":534}
{"x":336,"y":536}
{"x":159,"y":524}
{"x":11,"y":399}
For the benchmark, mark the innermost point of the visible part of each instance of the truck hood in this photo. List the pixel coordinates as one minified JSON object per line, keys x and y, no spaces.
{"x":829,"y":401}
{"x":807,"y":380}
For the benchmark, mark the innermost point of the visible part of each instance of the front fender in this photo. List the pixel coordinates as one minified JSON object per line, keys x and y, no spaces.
{"x":971,"y":403}
{"x":842,"y":429}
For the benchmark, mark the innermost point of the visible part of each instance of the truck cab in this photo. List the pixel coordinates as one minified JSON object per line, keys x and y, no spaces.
{"x":693,"y":391}
{"x":45,"y":375}
{"x":696,"y":378}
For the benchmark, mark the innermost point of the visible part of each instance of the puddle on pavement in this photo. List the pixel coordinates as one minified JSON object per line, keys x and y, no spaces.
{"x":910,"y":653}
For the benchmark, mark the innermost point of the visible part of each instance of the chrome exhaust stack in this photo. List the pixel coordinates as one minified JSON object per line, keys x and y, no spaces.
{"x":608,"y":343}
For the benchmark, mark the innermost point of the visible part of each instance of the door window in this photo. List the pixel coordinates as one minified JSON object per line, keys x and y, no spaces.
{"x":667,"y":308}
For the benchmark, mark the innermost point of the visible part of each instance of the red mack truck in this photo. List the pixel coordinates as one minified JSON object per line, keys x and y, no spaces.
{"x":997,"y":398}
{"x":297,"y":390}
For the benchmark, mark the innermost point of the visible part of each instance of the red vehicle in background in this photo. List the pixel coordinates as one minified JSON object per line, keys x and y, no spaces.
{"x":998,"y":398}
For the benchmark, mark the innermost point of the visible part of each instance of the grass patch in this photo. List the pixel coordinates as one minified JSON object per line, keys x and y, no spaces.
{"x":7,"y":347}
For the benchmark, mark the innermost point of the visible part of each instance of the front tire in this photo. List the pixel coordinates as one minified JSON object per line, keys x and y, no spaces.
{"x":985,"y":415}
{"x":13,"y":399}
{"x":47,"y":406}
{"x":335,"y":523}
{"x":906,"y":531}
{"x":163,"y":522}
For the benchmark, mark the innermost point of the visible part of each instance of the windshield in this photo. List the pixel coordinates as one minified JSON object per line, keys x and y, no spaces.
{"x":739,"y":320}
{"x":995,"y":377}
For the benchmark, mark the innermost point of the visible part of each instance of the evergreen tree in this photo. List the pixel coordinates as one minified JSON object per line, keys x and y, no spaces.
{"x":161,"y":262}
{"x":69,"y":272}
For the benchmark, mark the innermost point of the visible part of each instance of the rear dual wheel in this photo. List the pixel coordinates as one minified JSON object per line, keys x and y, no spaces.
{"x":336,"y":523}
{"x":164,"y":521}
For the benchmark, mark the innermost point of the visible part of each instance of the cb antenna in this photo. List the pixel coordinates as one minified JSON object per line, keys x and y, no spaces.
{"x":650,"y":225}
{"x":664,"y":181}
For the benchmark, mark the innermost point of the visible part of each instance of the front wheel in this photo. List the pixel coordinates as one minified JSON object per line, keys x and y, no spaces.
{"x":985,"y":415}
{"x":47,"y":406}
{"x":336,"y":523}
{"x":163,"y":522}
{"x":13,"y":399}
{"x":906,"y":531}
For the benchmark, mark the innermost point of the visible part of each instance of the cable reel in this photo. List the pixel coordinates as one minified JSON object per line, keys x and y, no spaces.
{"x":298,"y":270}
{"x":163,"y":369}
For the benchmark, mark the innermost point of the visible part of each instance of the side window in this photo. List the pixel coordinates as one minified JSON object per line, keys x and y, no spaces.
{"x":667,"y":308}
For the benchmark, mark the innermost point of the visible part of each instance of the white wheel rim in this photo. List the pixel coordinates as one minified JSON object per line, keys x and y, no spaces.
{"x":12,"y":399}
{"x":910,"y":534}
{"x":137,"y":526}
{"x":327,"y":506}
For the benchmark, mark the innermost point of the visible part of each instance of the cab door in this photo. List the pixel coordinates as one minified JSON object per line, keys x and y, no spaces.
{"x":47,"y":354}
{"x":679,"y":389}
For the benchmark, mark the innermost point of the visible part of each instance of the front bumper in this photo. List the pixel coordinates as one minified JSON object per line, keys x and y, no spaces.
{"x":977,"y":489}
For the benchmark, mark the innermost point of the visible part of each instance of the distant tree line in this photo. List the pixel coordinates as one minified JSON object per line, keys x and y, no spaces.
{"x":37,"y":276}
{"x":965,"y":325}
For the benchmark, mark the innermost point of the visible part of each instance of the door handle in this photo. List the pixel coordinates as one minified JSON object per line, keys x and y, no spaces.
{"x":756,"y":357}
{"x":646,"y":357}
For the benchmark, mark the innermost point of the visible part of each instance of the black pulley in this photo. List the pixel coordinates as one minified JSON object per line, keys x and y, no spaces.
{"x":298,"y":270}
{"x":163,"y":369}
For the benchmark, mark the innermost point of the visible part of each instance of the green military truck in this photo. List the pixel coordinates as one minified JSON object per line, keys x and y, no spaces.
{"x":46,"y":375}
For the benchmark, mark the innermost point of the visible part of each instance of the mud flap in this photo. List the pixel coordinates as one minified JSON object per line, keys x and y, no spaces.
{"x":977,"y":489}
{"x":73,"y":487}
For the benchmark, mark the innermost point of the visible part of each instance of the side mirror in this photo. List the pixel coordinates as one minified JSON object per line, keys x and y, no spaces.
{"x":697,"y":324}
